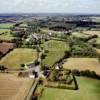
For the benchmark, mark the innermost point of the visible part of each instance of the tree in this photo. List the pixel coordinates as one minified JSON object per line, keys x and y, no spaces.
{"x":22,"y":65}
{"x":2,"y":68}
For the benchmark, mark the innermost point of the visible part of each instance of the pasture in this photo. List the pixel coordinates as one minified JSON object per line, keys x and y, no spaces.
{"x":13,"y":87}
{"x":88,"y":90}
{"x":56,"y":51}
{"x":5,"y":34}
{"x":80,"y":35}
{"x":19,"y":56}
{"x":91,"y":64}
{"x":6,"y":25}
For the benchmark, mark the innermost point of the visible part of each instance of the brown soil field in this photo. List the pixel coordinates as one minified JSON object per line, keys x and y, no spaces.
{"x":93,"y":32}
{"x":91,"y":64}
{"x":5,"y":47}
{"x":13,"y":87}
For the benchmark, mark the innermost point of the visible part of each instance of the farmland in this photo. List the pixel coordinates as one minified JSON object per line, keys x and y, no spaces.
{"x":80,"y":35}
{"x":88,"y":86}
{"x":93,"y":33}
{"x":13,"y":88}
{"x":6,"y":25}
{"x":56,"y":51}
{"x":17,"y":57}
{"x":91,"y":64}
{"x":6,"y":35}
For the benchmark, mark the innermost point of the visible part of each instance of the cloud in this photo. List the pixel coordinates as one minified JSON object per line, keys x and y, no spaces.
{"x":66,"y":6}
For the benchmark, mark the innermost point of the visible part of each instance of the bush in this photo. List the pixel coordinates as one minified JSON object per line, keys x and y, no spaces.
{"x":22,"y":65}
{"x":43,"y":56}
{"x":87,"y":73}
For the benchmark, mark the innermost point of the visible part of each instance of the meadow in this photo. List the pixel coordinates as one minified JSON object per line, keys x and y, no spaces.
{"x":88,"y":90}
{"x":56,"y":51}
{"x":19,"y":56}
{"x":6,"y":25}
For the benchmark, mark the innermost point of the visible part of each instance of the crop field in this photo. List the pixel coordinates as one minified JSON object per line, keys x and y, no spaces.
{"x":14,"y":88}
{"x":93,"y":33}
{"x":17,"y":57}
{"x":91,"y":64}
{"x":88,"y":90}
{"x":6,"y":25}
{"x":56,"y":51}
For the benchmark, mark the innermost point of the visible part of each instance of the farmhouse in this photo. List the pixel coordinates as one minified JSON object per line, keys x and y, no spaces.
{"x":5,"y":47}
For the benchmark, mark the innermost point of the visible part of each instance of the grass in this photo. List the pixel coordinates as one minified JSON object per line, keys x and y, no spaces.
{"x":6,"y":25}
{"x":91,"y":64}
{"x":46,"y":30}
{"x":96,"y":41}
{"x":6,"y":35}
{"x":88,"y":90}
{"x":15,"y":58}
{"x":80,"y":35}
{"x":56,"y":51}
{"x":91,"y":32}
{"x":5,"y":31}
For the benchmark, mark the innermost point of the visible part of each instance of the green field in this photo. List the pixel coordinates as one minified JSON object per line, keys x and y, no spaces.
{"x":5,"y":34}
{"x":80,"y":35}
{"x":6,"y":25}
{"x":89,"y":89}
{"x":5,"y":31}
{"x":56,"y":51}
{"x":18,"y":56}
{"x":96,"y":41}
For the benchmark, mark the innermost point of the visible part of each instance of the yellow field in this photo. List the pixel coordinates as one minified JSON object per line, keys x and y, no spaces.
{"x":98,"y":50}
{"x":14,"y":88}
{"x":91,"y":64}
{"x":17,"y":57}
{"x":93,"y":33}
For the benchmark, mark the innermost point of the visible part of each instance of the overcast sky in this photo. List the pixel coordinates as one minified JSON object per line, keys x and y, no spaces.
{"x":50,"y":6}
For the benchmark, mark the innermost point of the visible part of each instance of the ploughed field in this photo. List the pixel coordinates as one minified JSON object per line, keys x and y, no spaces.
{"x":19,"y":56}
{"x":89,"y":89}
{"x":91,"y":64}
{"x":14,"y":88}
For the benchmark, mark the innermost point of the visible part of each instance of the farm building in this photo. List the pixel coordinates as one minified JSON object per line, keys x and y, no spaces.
{"x":5,"y":47}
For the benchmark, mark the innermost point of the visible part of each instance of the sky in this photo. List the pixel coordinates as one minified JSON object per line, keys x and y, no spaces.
{"x":50,"y":6}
